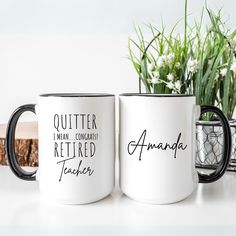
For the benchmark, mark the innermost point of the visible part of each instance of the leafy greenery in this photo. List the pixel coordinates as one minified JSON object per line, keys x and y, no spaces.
{"x":201,"y":62}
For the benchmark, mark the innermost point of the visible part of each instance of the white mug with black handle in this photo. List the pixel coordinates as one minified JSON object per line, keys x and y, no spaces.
{"x":157,"y":146}
{"x":76,"y":134}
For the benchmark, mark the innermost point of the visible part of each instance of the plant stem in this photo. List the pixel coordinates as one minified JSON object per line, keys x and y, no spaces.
{"x":185,"y":26}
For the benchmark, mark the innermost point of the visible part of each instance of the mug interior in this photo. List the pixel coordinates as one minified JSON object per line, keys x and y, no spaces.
{"x":76,"y":95}
{"x":156,"y":95}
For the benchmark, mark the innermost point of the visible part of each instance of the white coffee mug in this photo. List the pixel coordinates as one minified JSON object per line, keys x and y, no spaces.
{"x":157,"y":147}
{"x":76,"y":146}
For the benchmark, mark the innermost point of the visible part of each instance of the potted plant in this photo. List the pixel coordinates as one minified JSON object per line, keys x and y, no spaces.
{"x":200,"y":62}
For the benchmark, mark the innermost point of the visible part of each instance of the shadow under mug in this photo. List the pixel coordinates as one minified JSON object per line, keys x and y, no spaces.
{"x":157,"y":146}
{"x":76,"y":134}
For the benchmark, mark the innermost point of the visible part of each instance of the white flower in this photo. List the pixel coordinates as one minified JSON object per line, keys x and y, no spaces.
{"x":170,"y":85}
{"x":170,"y":58}
{"x":161,"y":61}
{"x":178,"y":85}
{"x":155,"y":81}
{"x":151,"y":66}
{"x":177,"y":65}
{"x":165,"y":59}
{"x":170,"y":77}
{"x":192,"y":65}
{"x":233,"y":68}
{"x":223,"y":71}
{"x":154,"y":78}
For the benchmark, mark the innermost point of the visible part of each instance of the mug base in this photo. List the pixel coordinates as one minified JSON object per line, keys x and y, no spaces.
{"x":73,"y":201}
{"x":159,"y":202}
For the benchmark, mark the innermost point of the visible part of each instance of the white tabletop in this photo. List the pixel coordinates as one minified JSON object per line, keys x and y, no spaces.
{"x":210,"y":205}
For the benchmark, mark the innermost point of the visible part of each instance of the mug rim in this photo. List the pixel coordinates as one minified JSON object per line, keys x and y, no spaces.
{"x":71,"y":95}
{"x":155,"y":95}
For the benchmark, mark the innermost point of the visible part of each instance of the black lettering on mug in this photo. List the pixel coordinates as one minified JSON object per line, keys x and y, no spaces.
{"x":74,"y":149}
{"x":79,"y":170}
{"x":82,"y":121}
{"x":141,"y":143}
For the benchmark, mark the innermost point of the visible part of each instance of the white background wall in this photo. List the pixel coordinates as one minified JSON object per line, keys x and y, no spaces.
{"x":77,"y":46}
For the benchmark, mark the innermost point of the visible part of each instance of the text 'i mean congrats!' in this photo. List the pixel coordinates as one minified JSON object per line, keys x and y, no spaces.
{"x":75,"y":138}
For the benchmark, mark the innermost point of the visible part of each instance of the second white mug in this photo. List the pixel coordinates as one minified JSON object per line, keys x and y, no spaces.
{"x":157,"y":147}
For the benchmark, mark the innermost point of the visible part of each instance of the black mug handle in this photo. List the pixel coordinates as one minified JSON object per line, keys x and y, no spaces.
{"x":10,"y":143}
{"x":227,"y":143}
